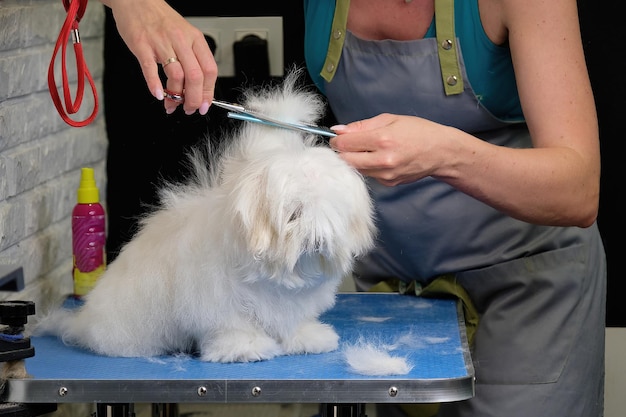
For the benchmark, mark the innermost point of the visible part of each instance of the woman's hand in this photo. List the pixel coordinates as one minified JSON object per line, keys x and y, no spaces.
{"x":390,"y":148}
{"x":158,"y":35}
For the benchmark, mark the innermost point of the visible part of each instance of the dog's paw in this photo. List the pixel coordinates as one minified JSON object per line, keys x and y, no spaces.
{"x":312,"y":337}
{"x":240,"y":346}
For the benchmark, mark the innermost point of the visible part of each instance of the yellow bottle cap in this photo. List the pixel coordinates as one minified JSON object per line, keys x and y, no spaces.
{"x":87,"y":190}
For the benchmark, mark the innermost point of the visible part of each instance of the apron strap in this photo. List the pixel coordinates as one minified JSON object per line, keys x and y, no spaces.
{"x":447,"y":47}
{"x":335,"y":43}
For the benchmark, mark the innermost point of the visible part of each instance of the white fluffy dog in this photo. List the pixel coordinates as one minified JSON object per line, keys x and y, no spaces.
{"x":237,"y":264}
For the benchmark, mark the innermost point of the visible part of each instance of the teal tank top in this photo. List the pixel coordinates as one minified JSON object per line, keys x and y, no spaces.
{"x":489,"y":66}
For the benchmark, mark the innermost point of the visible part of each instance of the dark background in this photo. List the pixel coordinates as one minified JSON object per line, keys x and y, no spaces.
{"x":138,"y":162}
{"x":605,"y":50}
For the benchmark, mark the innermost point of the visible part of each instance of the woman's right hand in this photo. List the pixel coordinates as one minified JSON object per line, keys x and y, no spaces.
{"x":158,"y":35}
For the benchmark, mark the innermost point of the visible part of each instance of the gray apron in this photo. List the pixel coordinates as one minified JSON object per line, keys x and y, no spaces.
{"x":539,"y":347}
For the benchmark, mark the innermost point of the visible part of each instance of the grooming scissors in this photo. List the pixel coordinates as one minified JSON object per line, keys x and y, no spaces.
{"x":237,"y":111}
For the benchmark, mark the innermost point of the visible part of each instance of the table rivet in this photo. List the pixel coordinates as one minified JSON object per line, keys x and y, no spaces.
{"x":202,"y":391}
{"x":63,"y":392}
{"x":256,"y":391}
{"x":393,"y":391}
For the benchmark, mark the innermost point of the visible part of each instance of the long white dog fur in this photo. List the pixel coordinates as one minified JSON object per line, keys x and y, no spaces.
{"x":238,"y":263}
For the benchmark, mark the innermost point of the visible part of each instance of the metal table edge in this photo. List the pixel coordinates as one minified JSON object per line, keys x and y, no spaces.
{"x":238,"y":391}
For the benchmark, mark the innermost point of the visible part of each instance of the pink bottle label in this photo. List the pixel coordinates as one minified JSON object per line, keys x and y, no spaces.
{"x":88,"y":242}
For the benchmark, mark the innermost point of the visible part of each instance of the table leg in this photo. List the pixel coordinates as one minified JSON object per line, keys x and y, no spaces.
{"x":115,"y":410}
{"x":164,"y":410}
{"x":343,"y":410}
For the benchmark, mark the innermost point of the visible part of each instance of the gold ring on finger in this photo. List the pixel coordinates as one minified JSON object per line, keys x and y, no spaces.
{"x":169,"y":61}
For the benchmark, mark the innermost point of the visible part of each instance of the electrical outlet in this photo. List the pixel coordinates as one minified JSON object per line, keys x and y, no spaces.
{"x":242,"y":33}
{"x":228,"y":30}
{"x":216,"y":34}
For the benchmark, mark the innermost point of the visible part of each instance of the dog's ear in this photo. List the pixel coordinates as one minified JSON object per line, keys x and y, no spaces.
{"x":268,"y":218}
{"x":259,"y":231}
{"x":251,"y":211}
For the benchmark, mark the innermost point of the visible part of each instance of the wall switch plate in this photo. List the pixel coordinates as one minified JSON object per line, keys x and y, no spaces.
{"x":227,"y":30}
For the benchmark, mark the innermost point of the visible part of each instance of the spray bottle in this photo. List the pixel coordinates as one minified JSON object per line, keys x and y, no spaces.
{"x":88,"y":235}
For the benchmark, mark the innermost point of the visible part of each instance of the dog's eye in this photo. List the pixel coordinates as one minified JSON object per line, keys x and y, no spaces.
{"x":295,"y":214}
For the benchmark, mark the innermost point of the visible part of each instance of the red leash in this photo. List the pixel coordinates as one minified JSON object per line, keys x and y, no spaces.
{"x":75,"y":10}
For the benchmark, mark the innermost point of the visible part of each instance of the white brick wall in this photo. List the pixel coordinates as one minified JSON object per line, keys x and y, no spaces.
{"x":40,"y":155}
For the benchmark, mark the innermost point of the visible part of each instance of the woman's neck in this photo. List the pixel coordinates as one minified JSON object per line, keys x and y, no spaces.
{"x":390,"y":19}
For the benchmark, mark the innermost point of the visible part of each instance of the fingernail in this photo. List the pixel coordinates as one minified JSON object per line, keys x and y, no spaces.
{"x":169,"y":111}
{"x":159,"y":94}
{"x":189,"y":112}
{"x":204,"y":108}
{"x":338,"y":127}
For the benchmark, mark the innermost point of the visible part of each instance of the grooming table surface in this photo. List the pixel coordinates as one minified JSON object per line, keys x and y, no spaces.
{"x":427,"y":332}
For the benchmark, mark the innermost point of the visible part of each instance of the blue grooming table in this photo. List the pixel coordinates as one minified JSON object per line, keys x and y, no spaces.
{"x":429,"y":332}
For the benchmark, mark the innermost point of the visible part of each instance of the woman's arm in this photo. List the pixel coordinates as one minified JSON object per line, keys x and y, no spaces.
{"x":557,"y":181}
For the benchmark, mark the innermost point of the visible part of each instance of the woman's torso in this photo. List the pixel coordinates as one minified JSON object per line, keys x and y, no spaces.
{"x":489,"y":65}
